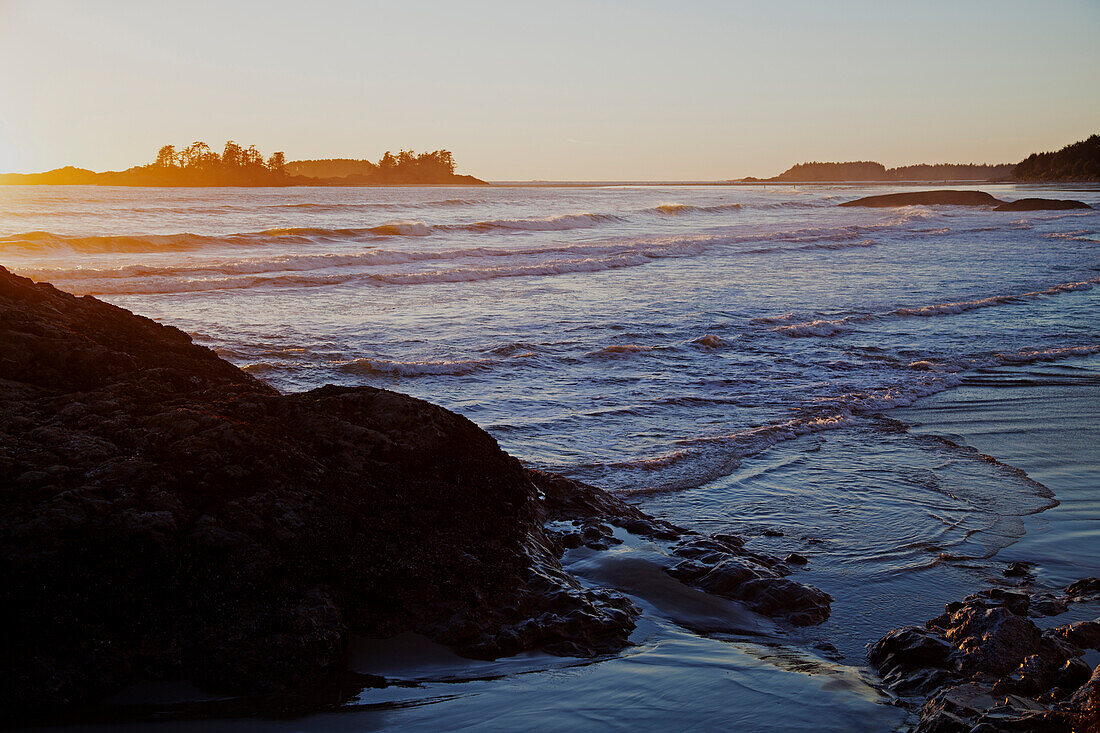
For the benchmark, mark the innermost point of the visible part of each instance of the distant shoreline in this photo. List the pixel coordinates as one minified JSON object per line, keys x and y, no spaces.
{"x":585,"y":184}
{"x":777,"y":184}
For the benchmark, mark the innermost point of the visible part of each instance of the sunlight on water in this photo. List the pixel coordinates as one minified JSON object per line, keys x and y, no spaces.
{"x":723,"y":355}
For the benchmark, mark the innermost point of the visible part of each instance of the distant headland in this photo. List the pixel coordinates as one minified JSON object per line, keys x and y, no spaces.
{"x":1077,"y":162}
{"x":199,"y":165}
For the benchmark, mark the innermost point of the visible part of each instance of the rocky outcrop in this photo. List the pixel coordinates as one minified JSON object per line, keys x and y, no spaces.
{"x":1042,"y":205}
{"x":928,"y":198}
{"x":721,"y":565}
{"x":984,"y":665}
{"x":165,"y":516}
{"x":964,"y":198}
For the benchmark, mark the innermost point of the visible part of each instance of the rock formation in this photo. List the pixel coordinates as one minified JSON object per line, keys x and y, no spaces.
{"x":984,"y":665}
{"x":165,"y":516}
{"x":1042,"y":205}
{"x":964,"y":198}
{"x":927,"y":198}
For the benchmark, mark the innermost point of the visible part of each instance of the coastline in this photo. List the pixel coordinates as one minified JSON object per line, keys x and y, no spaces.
{"x":807,"y":496}
{"x":838,"y":692}
{"x":265,"y":530}
{"x":1087,"y":184}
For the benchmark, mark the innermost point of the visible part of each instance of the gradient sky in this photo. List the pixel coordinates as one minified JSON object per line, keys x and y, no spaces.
{"x":551,"y":90}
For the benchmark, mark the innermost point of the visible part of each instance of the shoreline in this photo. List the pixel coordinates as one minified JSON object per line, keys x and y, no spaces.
{"x":253,"y":522}
{"x":474,"y":694}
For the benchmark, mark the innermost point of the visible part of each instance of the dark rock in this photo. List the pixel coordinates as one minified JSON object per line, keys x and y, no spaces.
{"x":1048,"y":606}
{"x":1086,"y":589}
{"x":796,"y":603}
{"x":1042,"y":205}
{"x":795,"y":559}
{"x":970,"y":707}
{"x":772,"y":533}
{"x":568,"y":500}
{"x":912,"y":660}
{"x":1084,"y":634}
{"x":991,"y":640}
{"x":965,"y":198}
{"x":987,"y":667}
{"x":1082,"y":713}
{"x":1054,"y":664}
{"x":720,"y":564}
{"x":928,"y":198}
{"x":1017,"y":570}
{"x":167,"y":516}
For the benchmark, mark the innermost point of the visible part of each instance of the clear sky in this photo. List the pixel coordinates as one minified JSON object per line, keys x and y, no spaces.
{"x":551,"y":90}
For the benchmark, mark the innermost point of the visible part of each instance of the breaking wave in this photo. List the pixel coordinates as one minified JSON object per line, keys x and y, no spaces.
{"x":559,"y":223}
{"x":618,"y":349}
{"x":828,"y":327}
{"x":679,"y":209}
{"x":245,"y":277}
{"x":415,"y":368}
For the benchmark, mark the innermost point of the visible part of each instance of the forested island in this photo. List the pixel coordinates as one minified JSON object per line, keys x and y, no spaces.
{"x":199,"y":165}
{"x":866,"y":170}
{"x":1077,"y":162}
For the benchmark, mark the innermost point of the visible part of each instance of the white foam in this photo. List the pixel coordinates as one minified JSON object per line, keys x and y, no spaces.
{"x":415,"y":368}
{"x":561,"y":222}
{"x":829,"y":327}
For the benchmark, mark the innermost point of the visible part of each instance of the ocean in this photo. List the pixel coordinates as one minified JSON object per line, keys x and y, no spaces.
{"x":909,"y":397}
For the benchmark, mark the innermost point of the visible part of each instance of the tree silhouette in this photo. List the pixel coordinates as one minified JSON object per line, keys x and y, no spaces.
{"x":232,"y":154}
{"x":166,"y":157}
{"x":277,"y":163}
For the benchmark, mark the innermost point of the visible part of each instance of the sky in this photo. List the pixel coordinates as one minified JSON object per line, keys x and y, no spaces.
{"x":562,"y":90}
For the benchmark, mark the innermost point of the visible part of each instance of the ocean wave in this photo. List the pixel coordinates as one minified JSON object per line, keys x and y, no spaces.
{"x":826,"y":327}
{"x":39,"y":241}
{"x":163,"y":284}
{"x":618,"y":349}
{"x":332,"y":268}
{"x":1032,"y":356}
{"x":679,"y":209}
{"x":708,"y":341}
{"x":337,"y":206}
{"x":42,"y":241}
{"x":774,"y":319}
{"x":416,"y":368}
{"x":560,"y":267}
{"x":186,"y":241}
{"x":45,"y":241}
{"x":700,"y":459}
{"x":827,"y":245}
{"x":561,"y":222}
{"x":697,"y":460}
{"x":1083,"y":235}
{"x":705,"y":458}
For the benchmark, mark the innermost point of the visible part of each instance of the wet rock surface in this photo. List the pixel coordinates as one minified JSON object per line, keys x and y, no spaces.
{"x":168,"y":517}
{"x":965,"y":198}
{"x":720,"y":564}
{"x":984,"y":665}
